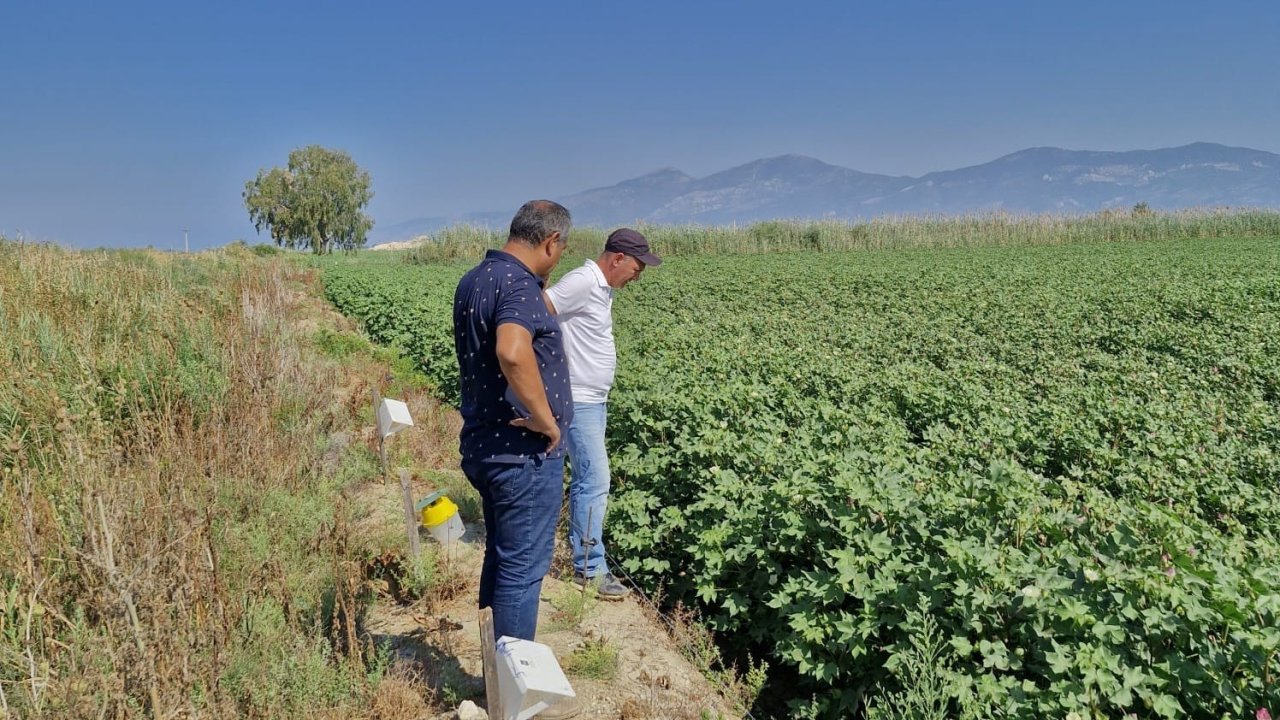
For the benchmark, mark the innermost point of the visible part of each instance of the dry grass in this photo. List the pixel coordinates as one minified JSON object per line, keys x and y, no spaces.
{"x":171,"y":455}
{"x":657,"y":701}
{"x":400,"y":694}
{"x":738,"y":686}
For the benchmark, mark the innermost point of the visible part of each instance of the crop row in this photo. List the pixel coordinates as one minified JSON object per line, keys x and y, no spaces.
{"x":1062,"y":463}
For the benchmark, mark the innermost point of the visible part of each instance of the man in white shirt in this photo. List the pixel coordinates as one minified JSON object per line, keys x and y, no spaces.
{"x":583,"y":303}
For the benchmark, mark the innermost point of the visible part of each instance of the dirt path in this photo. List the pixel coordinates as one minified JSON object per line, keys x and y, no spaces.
{"x":437,"y":635}
{"x":441,"y":635}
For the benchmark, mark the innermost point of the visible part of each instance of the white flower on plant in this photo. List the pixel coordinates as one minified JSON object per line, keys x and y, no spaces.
{"x":1031,"y":591}
{"x":1091,"y":575}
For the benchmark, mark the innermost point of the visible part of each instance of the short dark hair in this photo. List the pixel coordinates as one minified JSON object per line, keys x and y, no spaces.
{"x":536,"y":220}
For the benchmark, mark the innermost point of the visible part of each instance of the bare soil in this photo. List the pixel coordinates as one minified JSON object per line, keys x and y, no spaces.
{"x":441,"y":637}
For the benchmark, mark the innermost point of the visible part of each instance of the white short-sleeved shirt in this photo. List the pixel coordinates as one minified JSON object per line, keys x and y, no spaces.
{"x":584,"y":307}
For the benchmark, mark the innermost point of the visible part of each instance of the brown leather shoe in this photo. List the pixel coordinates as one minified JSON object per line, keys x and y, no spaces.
{"x":566,"y":708}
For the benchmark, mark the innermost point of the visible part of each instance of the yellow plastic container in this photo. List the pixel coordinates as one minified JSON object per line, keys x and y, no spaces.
{"x":438,"y":511}
{"x":441,"y":519}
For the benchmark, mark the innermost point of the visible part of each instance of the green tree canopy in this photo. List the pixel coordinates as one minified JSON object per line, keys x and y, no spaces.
{"x":317,"y":201}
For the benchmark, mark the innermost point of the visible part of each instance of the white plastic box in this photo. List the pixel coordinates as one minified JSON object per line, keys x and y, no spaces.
{"x":449,"y":531}
{"x":529,"y":678}
{"x":393,"y":416}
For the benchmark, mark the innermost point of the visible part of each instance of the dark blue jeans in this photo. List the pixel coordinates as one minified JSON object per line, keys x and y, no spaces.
{"x":521,"y":509}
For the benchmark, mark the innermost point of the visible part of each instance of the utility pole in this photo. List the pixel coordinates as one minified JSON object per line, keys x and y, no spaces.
{"x":185,"y":246}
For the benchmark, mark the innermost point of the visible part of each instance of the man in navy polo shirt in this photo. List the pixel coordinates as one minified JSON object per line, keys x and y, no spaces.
{"x":516,"y":405}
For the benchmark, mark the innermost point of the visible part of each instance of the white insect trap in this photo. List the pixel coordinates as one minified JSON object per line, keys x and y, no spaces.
{"x":393,"y":416}
{"x":529,"y":678}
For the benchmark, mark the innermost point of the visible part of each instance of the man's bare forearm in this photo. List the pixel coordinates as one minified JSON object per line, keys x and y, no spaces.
{"x":519,"y":365}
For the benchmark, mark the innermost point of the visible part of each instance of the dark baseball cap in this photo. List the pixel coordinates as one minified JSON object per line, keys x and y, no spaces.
{"x":630,"y":242}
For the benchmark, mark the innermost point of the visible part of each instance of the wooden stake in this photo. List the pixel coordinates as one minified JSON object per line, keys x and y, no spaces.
{"x":377,"y":430}
{"x":410,"y":517}
{"x":489,"y":661}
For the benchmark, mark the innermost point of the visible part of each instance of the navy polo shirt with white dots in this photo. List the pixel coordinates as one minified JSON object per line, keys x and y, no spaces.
{"x":502,"y":290}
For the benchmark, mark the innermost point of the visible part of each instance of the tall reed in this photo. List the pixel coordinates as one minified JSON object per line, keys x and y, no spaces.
{"x":900,"y":232}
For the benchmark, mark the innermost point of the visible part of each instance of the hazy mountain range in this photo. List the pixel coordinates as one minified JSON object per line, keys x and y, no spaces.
{"x":1036,"y":180}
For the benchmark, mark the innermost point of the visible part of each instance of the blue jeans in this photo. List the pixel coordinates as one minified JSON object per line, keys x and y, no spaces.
{"x":588,"y":487}
{"x":521,"y":508}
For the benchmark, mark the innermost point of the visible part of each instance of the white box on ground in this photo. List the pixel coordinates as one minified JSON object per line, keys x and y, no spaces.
{"x":393,"y":416}
{"x":529,"y":678}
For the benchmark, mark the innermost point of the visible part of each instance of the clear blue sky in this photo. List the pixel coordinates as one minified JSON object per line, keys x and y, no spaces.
{"x":123,"y":123}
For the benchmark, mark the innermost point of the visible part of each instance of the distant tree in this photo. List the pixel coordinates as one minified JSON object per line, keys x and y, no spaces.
{"x":1141,"y":210}
{"x":316,"y":201}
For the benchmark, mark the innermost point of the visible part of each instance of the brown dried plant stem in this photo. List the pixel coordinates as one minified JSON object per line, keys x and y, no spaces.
{"x":126,"y":597}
